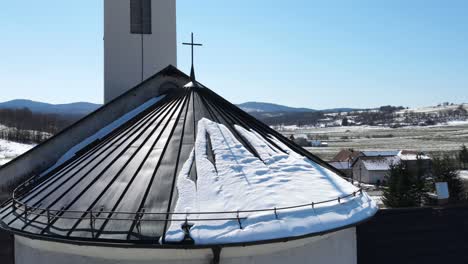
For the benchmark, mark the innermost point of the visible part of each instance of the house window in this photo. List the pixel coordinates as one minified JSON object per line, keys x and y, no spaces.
{"x":140,"y":16}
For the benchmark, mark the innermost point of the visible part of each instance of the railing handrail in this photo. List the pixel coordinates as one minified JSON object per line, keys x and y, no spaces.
{"x":33,"y":208}
{"x":138,"y":216}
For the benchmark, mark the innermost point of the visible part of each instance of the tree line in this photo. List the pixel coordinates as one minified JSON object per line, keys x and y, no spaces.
{"x":24,"y":126}
{"x":290,"y":118}
{"x":24,"y":136}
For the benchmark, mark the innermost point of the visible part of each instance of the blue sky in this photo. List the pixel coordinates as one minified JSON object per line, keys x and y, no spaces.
{"x":317,"y":54}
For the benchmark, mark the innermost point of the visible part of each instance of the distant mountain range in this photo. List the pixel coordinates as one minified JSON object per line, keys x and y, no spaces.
{"x":79,"y":108}
{"x":83,"y":108}
{"x":271,"y":108}
{"x":259,"y":107}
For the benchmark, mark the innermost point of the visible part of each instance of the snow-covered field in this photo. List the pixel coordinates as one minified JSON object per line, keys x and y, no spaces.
{"x":10,"y":150}
{"x":433,"y":109}
{"x":440,"y":139}
{"x":364,"y":128}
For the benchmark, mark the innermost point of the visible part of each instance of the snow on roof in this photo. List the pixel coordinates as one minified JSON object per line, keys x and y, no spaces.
{"x":341,"y":165}
{"x":379,"y":163}
{"x":237,"y":180}
{"x":385,"y":153}
{"x":346,"y":155}
{"x":463,"y":174}
{"x":412,"y":155}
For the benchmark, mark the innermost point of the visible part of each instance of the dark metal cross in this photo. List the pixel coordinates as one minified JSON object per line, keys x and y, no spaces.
{"x":192,"y":71}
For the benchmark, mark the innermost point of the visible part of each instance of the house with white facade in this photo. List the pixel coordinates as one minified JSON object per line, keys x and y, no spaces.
{"x":373,"y":166}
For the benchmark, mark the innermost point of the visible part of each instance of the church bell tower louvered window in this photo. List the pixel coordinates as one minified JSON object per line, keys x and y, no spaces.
{"x":140,"y":39}
{"x":140,"y":16}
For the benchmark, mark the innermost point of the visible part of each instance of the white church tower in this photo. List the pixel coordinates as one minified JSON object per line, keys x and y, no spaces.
{"x":139,"y":40}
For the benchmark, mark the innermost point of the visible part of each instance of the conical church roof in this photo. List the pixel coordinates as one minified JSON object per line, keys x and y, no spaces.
{"x":186,"y":167}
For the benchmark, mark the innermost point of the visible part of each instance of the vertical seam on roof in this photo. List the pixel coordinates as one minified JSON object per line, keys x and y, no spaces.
{"x":175,"y":170}
{"x":150,"y":184}
{"x":285,"y":141}
{"x":120,"y":132}
{"x":66,"y":167}
{"x":100,"y":174}
{"x":229,"y":124}
{"x":246,"y":124}
{"x":235,"y":119}
{"x":152,"y":121}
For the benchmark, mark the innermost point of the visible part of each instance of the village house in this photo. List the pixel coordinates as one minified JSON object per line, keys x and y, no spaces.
{"x":373,"y":169}
{"x":344,"y":160}
{"x":373,"y":166}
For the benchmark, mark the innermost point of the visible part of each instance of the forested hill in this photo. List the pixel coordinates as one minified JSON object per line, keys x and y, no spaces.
{"x":79,"y":108}
{"x":252,"y":107}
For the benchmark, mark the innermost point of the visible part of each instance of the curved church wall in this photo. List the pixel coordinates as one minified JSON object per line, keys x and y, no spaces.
{"x":338,"y":247}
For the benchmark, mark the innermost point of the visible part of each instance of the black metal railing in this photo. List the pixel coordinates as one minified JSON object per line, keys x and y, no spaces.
{"x":137,"y":218}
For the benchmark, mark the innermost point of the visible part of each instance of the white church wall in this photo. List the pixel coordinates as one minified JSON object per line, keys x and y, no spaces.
{"x":131,"y":58}
{"x":335,"y":248}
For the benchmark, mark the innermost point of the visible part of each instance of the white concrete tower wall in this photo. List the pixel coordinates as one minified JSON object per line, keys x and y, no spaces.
{"x":335,"y":248}
{"x":130,"y":58}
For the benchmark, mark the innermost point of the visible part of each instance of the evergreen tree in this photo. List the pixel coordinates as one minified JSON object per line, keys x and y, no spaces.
{"x":463,"y":156}
{"x":345,"y":122}
{"x":444,"y":171}
{"x":400,"y":190}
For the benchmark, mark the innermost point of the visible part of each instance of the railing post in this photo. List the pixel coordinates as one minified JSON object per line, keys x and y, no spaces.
{"x":91,"y":223}
{"x":139,"y":216}
{"x":313,"y":205}
{"x":25,"y":211}
{"x":276,"y":214}
{"x":186,"y":227}
{"x":48,"y":216}
{"x":239,"y":221}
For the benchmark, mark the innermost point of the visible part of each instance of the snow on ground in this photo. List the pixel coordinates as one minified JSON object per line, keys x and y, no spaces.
{"x":363,"y":128}
{"x":237,"y":180}
{"x":378,"y":200}
{"x":10,"y":150}
{"x":432,"y":109}
{"x":334,"y":129}
{"x":464,"y":174}
{"x":457,"y":123}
